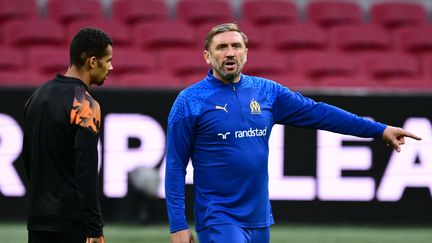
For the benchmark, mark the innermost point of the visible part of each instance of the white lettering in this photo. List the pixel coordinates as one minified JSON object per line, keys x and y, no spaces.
{"x":251,"y":133}
{"x":402,"y":170}
{"x":10,"y":148}
{"x":332,"y":159}
{"x":283,"y":187}
{"x":119,"y":159}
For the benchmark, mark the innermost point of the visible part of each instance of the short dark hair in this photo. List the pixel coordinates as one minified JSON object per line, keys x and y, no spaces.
{"x":223,"y":28}
{"x":88,"y":42}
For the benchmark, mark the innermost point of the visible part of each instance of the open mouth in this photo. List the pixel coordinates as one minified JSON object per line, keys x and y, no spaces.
{"x":230,"y":65}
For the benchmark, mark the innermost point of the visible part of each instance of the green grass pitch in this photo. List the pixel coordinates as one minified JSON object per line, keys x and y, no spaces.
{"x":125,"y":233}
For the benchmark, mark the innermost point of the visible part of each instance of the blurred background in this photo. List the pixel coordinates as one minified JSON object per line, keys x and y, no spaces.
{"x":372,"y":57}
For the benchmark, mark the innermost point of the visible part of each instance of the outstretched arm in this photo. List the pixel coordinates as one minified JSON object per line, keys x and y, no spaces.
{"x":395,"y":136}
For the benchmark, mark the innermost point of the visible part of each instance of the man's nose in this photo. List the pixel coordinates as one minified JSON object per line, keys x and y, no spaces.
{"x":230,"y":52}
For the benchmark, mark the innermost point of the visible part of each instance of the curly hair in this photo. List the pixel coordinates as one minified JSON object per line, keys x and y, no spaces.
{"x":86,"y":43}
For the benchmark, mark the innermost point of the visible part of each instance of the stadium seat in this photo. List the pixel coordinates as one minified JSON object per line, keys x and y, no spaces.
{"x":18,"y":10}
{"x":363,"y":37}
{"x":184,"y":63}
{"x":153,"y":80}
{"x":265,"y":63}
{"x":426,"y":67}
{"x":135,"y":11}
{"x":130,"y":60}
{"x":348,"y":82}
{"x":297,"y":37}
{"x":120,"y":33}
{"x":269,"y":12}
{"x":48,"y":61}
{"x":384,"y":66}
{"x":198,"y":12}
{"x":11,"y":59}
{"x":69,"y":11}
{"x":317,"y":65}
{"x":397,"y":14}
{"x":334,"y":12}
{"x":254,"y":34}
{"x":34,"y":33}
{"x":325,"y":69}
{"x":164,"y":34}
{"x":21,"y":79}
{"x":414,"y":39}
{"x":191,"y":79}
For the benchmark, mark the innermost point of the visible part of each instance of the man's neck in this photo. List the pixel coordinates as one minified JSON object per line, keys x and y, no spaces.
{"x":78,"y":73}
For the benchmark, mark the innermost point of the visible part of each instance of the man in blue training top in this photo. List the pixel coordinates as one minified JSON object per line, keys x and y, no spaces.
{"x":223,"y":124}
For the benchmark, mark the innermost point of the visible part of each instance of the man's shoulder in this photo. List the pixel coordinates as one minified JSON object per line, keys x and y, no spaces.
{"x":260,"y":84}
{"x":249,"y":79}
{"x":198,"y":90}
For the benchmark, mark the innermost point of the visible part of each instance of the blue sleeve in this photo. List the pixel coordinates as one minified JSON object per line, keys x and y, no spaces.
{"x":292,"y":108}
{"x":179,"y":140}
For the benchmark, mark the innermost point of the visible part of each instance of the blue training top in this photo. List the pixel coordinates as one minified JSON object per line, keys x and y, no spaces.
{"x":225,"y":129}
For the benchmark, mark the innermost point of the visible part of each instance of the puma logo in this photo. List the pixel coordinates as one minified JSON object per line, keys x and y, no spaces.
{"x":218,"y":107}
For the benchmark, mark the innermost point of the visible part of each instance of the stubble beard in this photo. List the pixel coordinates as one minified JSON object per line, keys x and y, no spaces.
{"x":228,"y":77}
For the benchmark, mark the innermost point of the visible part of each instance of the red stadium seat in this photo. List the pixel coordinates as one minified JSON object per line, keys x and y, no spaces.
{"x":325,"y":69}
{"x":414,"y":39}
{"x":254,"y":34}
{"x":334,"y":12}
{"x":34,"y":33}
{"x":397,"y":14}
{"x":394,"y":71}
{"x":48,"y":61}
{"x":345,"y":82}
{"x":390,"y":65}
{"x":153,"y":80}
{"x":197,"y":12}
{"x":362,"y":37}
{"x":11,"y":59}
{"x":21,"y":79}
{"x":135,"y":11}
{"x":184,"y":63}
{"x":130,"y":60}
{"x":297,"y":37}
{"x":317,"y":65}
{"x":120,"y":33}
{"x":426,"y":67}
{"x":191,"y":79}
{"x":265,"y":63}
{"x":70,"y":11}
{"x":269,"y":12}
{"x":164,"y":34}
{"x":18,"y":10}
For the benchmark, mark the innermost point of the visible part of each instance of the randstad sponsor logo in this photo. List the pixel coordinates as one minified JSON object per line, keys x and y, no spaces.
{"x":251,"y":133}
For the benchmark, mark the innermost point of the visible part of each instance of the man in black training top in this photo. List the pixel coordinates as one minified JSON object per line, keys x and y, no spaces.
{"x":60,"y":154}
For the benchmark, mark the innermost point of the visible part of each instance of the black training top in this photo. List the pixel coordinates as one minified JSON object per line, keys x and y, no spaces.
{"x":60,"y":154}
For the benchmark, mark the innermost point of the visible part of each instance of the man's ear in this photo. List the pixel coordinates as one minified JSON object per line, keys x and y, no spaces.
{"x":92,"y":62}
{"x":206,"y":55}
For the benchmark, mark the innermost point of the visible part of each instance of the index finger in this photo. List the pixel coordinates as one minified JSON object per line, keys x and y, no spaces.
{"x":411,"y":135}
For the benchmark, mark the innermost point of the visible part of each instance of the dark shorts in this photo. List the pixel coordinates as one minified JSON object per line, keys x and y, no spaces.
{"x":231,"y":233}
{"x":35,"y":236}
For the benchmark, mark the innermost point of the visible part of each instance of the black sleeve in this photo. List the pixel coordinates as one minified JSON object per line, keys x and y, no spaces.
{"x":86,"y":169}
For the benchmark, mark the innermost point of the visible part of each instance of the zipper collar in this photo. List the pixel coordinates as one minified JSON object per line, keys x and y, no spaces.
{"x":218,"y":83}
